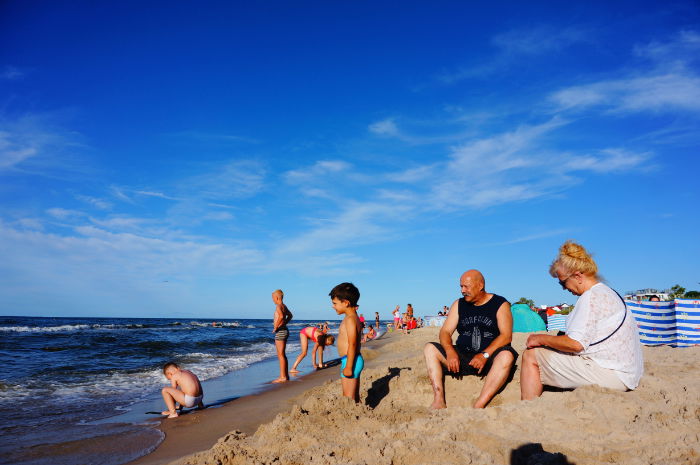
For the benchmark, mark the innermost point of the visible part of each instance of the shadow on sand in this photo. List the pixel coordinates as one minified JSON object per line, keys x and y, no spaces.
{"x":534,"y":454}
{"x":380,"y":387}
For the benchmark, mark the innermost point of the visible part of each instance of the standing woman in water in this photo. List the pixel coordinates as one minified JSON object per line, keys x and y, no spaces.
{"x":279,"y":327}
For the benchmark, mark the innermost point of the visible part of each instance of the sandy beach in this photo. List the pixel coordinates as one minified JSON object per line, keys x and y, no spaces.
{"x":309,"y":422}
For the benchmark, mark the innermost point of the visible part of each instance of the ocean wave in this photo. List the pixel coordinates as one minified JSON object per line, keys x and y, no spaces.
{"x":43,"y":329}
{"x":218,"y":324}
{"x":78,"y":327}
{"x":139,"y":385}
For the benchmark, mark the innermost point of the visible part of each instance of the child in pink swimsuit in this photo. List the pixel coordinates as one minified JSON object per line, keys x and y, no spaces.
{"x":321,"y":340}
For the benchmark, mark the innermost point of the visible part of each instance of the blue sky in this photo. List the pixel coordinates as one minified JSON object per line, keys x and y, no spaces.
{"x":185,"y":159}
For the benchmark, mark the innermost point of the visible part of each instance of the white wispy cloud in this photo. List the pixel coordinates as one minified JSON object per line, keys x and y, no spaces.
{"x":515,"y":45}
{"x":539,"y":40}
{"x":358,"y":223}
{"x":63,"y":213}
{"x":318,"y":170}
{"x":606,"y":161}
{"x":680,"y":49}
{"x":37,"y":144}
{"x":668,"y":82}
{"x":159,"y":195}
{"x":659,"y":93}
{"x":119,"y":223}
{"x":98,"y":203}
{"x":11,"y":73}
{"x":235,"y":179}
{"x":119,"y":255}
{"x":386,"y":127}
{"x":215,"y":137}
{"x":219,"y":216}
{"x":532,"y":237}
{"x":509,"y":167}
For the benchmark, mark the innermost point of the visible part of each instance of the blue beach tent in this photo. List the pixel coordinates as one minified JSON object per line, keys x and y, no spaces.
{"x":525,"y":320}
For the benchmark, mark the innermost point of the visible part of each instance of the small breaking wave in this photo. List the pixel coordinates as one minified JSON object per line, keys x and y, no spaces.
{"x":43,"y":329}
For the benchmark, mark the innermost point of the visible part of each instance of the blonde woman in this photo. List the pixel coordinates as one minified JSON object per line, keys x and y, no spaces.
{"x":601,"y":344}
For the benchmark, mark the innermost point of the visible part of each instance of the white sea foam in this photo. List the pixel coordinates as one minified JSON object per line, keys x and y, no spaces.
{"x":43,"y":329}
{"x":133,"y":387}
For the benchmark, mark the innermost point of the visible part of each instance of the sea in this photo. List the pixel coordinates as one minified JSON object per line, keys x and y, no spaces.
{"x":75,"y":390}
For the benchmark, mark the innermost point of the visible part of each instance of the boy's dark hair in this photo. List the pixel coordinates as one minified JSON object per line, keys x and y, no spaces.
{"x":346,"y":291}
{"x":168,"y":365}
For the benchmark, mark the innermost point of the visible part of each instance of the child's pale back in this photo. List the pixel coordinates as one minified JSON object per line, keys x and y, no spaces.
{"x":187,"y":382}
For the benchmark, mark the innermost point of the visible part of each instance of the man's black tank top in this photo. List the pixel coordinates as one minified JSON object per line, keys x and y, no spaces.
{"x":477,"y":325}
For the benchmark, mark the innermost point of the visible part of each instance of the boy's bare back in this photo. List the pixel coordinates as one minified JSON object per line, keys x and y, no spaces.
{"x":188,"y":383}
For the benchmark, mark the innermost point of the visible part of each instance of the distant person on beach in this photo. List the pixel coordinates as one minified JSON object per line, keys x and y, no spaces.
{"x":397,"y":317}
{"x":371,"y":334}
{"x":376,"y":321}
{"x":601,"y":344}
{"x":409,"y":310}
{"x":279,"y":327}
{"x":344,"y":297}
{"x":185,"y":389}
{"x":485,"y":326}
{"x":321,"y":340}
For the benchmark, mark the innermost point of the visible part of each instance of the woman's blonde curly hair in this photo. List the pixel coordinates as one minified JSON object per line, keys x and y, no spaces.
{"x":573,"y":257}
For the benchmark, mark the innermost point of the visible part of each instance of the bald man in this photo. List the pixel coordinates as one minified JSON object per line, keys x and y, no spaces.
{"x":485,"y":326}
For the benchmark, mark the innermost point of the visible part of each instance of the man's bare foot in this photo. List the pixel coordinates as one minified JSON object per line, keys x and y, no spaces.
{"x":437,"y":405}
{"x":478,"y":403}
{"x":173,"y":415}
{"x":294,"y":370}
{"x":280,"y":380}
{"x":170,"y":414}
{"x":165,"y":412}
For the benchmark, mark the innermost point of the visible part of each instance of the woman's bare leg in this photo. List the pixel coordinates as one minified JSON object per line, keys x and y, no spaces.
{"x":304,"y":347}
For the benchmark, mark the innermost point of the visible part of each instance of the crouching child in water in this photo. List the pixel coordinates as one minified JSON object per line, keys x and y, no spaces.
{"x":344,"y":297}
{"x":185,"y":389}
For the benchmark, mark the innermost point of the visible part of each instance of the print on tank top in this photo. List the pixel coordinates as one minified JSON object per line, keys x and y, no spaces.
{"x":471,"y":330}
{"x":477,"y":325}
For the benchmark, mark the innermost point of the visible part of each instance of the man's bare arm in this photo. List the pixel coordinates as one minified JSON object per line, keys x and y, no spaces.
{"x":446,"y":332}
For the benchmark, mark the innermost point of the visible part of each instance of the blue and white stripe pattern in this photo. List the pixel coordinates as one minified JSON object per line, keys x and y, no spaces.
{"x":556,"y":322}
{"x":687,"y":322}
{"x":674,"y":323}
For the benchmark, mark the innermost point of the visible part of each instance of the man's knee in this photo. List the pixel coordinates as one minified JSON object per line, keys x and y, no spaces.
{"x":505,"y":359}
{"x":430,"y":351}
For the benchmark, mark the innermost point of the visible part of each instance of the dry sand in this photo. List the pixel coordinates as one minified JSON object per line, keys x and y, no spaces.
{"x":659,"y":423}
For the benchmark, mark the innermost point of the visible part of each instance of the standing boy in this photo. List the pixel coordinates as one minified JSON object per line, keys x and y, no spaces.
{"x":344,"y":297}
{"x":189,"y":394}
{"x":279,"y":327}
